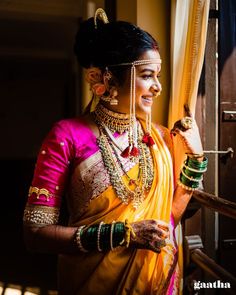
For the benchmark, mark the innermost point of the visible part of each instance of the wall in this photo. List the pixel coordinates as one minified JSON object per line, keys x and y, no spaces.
{"x":154,"y":17}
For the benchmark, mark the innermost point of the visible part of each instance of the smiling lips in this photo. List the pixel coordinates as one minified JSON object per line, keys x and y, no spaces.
{"x":148,"y":99}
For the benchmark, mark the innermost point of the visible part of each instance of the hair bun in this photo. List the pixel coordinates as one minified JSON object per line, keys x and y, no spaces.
{"x":111,"y":43}
{"x":87,"y":41}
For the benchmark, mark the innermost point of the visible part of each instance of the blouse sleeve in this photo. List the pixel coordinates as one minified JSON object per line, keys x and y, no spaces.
{"x":50,"y":177}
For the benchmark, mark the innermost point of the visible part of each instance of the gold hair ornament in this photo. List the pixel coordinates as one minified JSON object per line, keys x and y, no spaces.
{"x":100,"y":14}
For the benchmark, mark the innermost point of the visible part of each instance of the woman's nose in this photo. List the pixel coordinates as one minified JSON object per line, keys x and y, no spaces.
{"x":156,"y":89}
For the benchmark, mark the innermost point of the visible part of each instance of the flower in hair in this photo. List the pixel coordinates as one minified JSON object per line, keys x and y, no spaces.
{"x":95,"y":79}
{"x":93,"y":75}
{"x":98,"y":88}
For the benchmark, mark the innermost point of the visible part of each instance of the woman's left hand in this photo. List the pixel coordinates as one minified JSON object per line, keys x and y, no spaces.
{"x":188,"y":132}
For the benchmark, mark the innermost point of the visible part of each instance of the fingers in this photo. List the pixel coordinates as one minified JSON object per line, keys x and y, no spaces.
{"x":156,"y":229}
{"x":156,"y":245}
{"x":187,"y":111}
{"x":178,"y":131}
{"x":175,"y":130}
{"x":185,"y":123}
{"x":164,"y":233}
{"x":150,"y":234}
{"x":162,"y":224}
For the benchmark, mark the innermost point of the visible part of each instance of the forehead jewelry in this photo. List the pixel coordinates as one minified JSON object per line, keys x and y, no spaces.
{"x":132,"y":149}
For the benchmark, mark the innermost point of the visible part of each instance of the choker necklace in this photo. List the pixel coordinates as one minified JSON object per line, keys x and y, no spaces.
{"x":121,"y":123}
{"x":114,"y":121}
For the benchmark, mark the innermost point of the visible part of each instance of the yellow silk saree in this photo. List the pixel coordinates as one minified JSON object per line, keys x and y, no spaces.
{"x":130,"y":271}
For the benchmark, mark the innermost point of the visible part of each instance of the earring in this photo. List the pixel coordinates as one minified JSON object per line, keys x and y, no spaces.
{"x":113,"y":96}
{"x":113,"y":93}
{"x":107,"y":76}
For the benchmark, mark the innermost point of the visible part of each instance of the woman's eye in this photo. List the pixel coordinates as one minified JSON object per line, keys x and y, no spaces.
{"x":146,"y":77}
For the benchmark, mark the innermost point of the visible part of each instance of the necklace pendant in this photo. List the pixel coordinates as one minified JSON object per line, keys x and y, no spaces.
{"x":132,"y":181}
{"x":138,"y":191}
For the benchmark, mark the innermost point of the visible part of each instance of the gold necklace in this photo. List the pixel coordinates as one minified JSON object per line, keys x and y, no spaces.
{"x":114,"y":121}
{"x":114,"y":168}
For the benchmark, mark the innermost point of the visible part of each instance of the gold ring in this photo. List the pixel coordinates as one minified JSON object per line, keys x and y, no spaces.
{"x":187,"y":123}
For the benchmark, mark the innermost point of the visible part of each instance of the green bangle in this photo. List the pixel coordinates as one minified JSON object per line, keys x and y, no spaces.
{"x":119,"y":231}
{"x":105,"y":236}
{"x":192,"y":169}
{"x":187,"y":182}
{"x":191,"y":174}
{"x":89,"y":237}
{"x":195,"y":164}
{"x":185,"y":186}
{"x":191,"y":178}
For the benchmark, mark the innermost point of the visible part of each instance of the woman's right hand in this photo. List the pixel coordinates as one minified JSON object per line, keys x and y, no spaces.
{"x":150,"y":234}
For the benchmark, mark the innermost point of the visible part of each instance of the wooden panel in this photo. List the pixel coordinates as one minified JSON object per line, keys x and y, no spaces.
{"x":227,"y":168}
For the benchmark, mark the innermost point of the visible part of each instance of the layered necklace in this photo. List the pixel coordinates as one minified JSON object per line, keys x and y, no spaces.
{"x":114,"y":121}
{"x":126,"y":188}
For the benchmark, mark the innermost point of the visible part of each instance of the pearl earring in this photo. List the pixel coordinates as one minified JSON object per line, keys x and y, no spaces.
{"x":113,"y":95}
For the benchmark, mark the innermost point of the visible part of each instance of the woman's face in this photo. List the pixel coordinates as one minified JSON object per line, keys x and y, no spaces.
{"x":147,"y":86}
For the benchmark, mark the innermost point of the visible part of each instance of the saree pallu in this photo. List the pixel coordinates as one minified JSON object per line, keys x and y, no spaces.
{"x":125,"y":271}
{"x":70,"y":163}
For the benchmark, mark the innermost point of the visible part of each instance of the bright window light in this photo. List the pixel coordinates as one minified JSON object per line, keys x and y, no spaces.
{"x":12,"y":291}
{"x":32,"y":291}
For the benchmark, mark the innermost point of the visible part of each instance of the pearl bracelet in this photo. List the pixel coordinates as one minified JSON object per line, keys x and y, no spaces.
{"x":188,"y":188}
{"x":78,"y":238}
{"x":111,"y":235}
{"x":98,"y":236}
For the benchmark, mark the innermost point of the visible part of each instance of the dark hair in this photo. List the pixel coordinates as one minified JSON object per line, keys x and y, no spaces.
{"x":112,"y":43}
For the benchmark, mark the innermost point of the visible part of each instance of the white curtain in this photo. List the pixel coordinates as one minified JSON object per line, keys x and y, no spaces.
{"x":189,"y":19}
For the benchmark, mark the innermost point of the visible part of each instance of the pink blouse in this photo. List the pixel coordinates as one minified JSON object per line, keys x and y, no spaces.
{"x":68,"y":143}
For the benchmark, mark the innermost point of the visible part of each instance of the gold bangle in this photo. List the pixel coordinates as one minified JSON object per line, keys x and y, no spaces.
{"x":190,"y":177}
{"x":192,"y":169}
{"x":128,"y":233}
{"x":185,"y":186}
{"x":196,"y":156}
